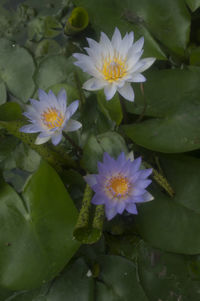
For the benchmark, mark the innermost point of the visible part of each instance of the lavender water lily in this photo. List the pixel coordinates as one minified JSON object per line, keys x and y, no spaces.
{"x":120,"y":184}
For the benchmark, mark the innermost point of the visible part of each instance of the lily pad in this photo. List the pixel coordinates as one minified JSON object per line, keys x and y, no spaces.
{"x":16,"y":69}
{"x":36,"y":241}
{"x":173,"y":224}
{"x":173,"y":97}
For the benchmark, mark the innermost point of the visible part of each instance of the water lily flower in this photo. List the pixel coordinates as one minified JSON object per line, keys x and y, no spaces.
{"x":119,"y":185}
{"x":114,"y":64}
{"x":50,"y":116}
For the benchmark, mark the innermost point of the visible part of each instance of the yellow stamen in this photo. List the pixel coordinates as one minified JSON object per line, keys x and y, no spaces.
{"x":52,"y":118}
{"x":114,"y":68}
{"x":118,"y":185}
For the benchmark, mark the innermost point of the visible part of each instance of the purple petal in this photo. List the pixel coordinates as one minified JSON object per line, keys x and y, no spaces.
{"x":109,"y":162}
{"x":98,"y":199}
{"x":91,"y":180}
{"x":43,"y":96}
{"x":141,"y":184}
{"x":30,"y":128}
{"x":121,"y":160}
{"x":120,"y":207}
{"x":62,"y":99}
{"x":52,"y":98}
{"x":143,"y":174}
{"x":137,"y":191}
{"x":73,"y":107}
{"x":56,"y":138}
{"x":110,"y":212}
{"x":131,"y":208}
{"x":136,"y":164}
{"x":102,"y":168}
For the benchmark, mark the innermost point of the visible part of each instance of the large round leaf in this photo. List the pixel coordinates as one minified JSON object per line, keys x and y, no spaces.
{"x":119,"y":281}
{"x":174,"y":224}
{"x":53,"y":70}
{"x":165,"y":276}
{"x":36,"y":238}
{"x":168,"y":21}
{"x":193,"y":4}
{"x":173,"y":97}
{"x":16,"y":69}
{"x":116,"y":13}
{"x":95,"y":147}
{"x":72,"y":285}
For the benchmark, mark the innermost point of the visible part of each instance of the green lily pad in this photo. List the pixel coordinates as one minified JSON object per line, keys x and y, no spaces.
{"x":112,"y":108}
{"x":193,"y":4}
{"x":165,"y":276}
{"x":119,"y":280}
{"x":173,"y":224}
{"x":3,"y":93}
{"x":36,"y":241}
{"x":142,"y":16}
{"x":122,"y":19}
{"x":16,"y":69}
{"x":95,"y":147}
{"x":52,"y":71}
{"x":173,"y":97}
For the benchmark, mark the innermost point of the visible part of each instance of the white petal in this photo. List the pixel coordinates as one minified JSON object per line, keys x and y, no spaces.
{"x":85,"y":63}
{"x":137,"y":78}
{"x":126,"y":44}
{"x":137,"y":46}
{"x":127,"y":92}
{"x":56,"y":138}
{"x":106,"y":43}
{"x":146,"y":63}
{"x":92,"y":43}
{"x":133,"y":58}
{"x":62,"y":99}
{"x":42,"y":140}
{"x":148,"y":197}
{"x":110,"y":91}
{"x":130,"y":156}
{"x":116,"y":39}
{"x":94,"y":84}
{"x":72,"y":125}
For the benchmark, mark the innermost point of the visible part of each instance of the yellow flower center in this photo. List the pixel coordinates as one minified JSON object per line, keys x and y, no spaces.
{"x":114,"y":69}
{"x":52,"y":118}
{"x":118,"y":186}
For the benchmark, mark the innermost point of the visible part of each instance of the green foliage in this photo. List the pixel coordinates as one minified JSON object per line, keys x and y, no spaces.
{"x":43,"y":220}
{"x":148,"y":257}
{"x":175,"y":109}
{"x":16,"y":69}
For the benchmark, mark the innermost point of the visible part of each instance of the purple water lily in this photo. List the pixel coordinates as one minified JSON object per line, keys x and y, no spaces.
{"x":119,"y":185}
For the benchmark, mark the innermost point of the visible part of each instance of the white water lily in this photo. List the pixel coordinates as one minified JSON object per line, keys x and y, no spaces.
{"x":114,"y":64}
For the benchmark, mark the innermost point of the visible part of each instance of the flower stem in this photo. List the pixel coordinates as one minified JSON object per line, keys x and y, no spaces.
{"x":79,"y":88}
{"x":145,"y":104}
{"x":161,"y":180}
{"x":78,"y":149}
{"x":86,"y":230}
{"x":125,"y":116}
